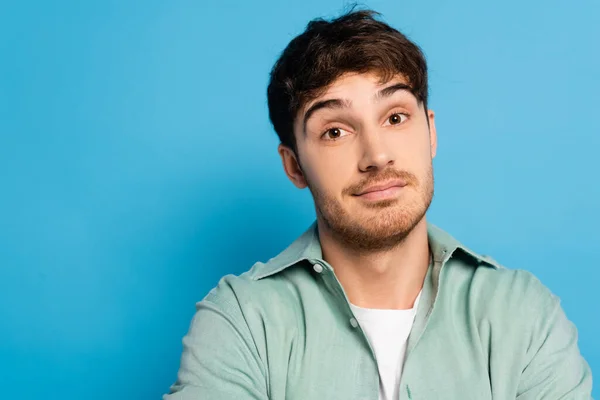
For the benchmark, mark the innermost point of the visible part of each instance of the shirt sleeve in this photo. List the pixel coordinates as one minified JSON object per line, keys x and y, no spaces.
{"x":554,"y":366}
{"x":219,"y":360}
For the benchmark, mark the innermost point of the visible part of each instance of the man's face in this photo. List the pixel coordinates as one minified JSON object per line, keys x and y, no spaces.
{"x":365,"y":151}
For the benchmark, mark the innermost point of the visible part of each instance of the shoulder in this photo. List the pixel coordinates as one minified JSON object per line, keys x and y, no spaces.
{"x":510,"y":293}
{"x":485,"y":282}
{"x":273,"y":296}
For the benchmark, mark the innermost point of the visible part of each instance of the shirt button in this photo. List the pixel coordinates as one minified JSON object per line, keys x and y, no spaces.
{"x":353,"y":322}
{"x":318,"y":268}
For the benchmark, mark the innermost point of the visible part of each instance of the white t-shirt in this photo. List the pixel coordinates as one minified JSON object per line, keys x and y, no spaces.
{"x":387,"y":331}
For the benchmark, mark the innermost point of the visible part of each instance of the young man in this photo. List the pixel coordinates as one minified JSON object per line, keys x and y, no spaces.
{"x":372,"y":301}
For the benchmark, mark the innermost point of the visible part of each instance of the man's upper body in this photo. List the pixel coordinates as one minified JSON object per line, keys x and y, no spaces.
{"x":348,"y":100}
{"x":285,"y":330}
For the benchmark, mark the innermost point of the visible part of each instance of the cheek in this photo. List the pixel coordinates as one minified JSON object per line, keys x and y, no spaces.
{"x":414,"y":153}
{"x":420,"y":144}
{"x":328,"y":173}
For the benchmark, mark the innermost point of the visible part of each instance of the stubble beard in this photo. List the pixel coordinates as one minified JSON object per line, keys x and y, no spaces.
{"x":381,"y":225}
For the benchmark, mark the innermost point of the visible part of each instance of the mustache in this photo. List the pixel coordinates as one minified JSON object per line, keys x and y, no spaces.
{"x":381,"y":177}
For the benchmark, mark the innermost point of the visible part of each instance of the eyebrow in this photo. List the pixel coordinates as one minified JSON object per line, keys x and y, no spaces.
{"x":330,"y":104}
{"x":390,"y":90}
{"x":343,"y":103}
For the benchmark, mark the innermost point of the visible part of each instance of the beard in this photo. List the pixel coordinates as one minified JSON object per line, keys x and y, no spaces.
{"x":380,"y":225}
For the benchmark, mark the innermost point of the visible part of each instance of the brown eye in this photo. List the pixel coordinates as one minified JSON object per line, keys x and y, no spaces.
{"x":334,"y":133}
{"x":395,"y":119}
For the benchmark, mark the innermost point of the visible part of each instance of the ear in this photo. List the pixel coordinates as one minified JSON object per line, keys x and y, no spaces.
{"x":432,"y":132}
{"x":291,"y":166}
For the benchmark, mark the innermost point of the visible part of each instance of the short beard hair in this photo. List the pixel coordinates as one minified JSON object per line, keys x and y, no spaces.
{"x":376,"y":233}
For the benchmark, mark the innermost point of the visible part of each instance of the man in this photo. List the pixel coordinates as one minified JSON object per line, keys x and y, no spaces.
{"x":372,"y":301}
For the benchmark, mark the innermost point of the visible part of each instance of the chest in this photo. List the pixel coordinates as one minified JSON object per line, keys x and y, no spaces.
{"x":451,"y":360}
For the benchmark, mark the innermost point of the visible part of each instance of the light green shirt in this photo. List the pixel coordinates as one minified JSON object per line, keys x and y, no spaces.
{"x":284,"y":330}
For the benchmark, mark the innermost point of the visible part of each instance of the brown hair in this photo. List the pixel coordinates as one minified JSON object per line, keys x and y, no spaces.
{"x":353,"y":42}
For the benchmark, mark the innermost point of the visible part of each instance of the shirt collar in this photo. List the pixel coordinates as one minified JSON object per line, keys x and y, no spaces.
{"x":308,"y":247}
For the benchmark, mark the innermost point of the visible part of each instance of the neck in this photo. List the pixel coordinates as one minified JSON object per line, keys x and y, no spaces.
{"x":390,"y":279}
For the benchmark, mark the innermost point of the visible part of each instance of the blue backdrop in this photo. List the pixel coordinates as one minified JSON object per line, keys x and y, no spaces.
{"x":137,"y":161}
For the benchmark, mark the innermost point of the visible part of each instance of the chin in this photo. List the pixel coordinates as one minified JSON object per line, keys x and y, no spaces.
{"x":390,"y":223}
{"x":371,"y":226}
{"x":377,"y":231}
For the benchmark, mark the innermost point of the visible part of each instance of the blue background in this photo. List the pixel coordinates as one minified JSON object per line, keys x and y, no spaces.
{"x":138,"y":166}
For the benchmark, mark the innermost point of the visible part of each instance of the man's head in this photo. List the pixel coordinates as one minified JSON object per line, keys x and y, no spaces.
{"x":348,"y":99}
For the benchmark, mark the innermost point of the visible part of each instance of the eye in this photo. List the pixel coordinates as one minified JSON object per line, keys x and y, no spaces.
{"x":334,"y":134}
{"x":397,"y":118}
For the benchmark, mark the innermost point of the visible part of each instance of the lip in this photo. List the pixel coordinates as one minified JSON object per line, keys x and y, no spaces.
{"x":380,"y":187}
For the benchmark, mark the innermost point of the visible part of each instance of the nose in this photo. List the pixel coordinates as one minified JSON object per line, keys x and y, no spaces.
{"x":376,"y":154}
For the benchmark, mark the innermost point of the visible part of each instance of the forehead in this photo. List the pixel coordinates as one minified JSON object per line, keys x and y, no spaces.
{"x":352,"y":85}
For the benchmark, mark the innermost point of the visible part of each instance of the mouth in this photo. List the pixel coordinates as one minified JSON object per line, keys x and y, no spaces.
{"x":383,"y":190}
